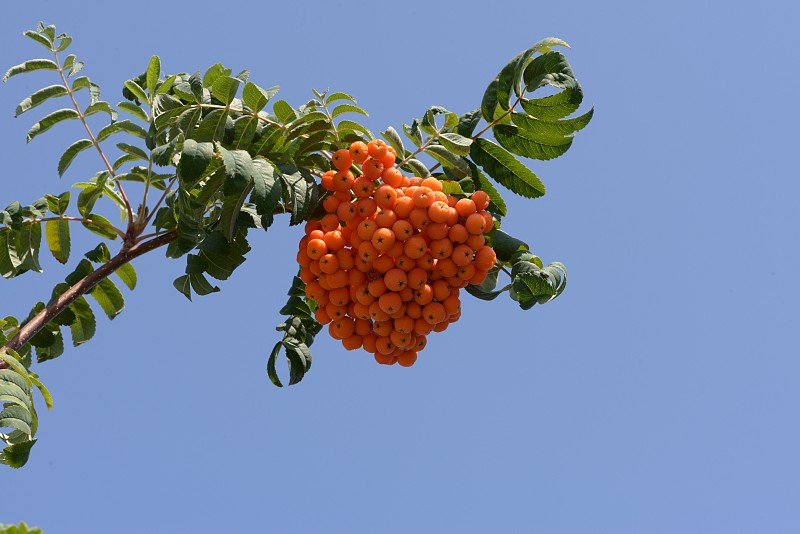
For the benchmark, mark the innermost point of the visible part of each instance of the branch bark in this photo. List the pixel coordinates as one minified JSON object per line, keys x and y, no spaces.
{"x":32,"y":327}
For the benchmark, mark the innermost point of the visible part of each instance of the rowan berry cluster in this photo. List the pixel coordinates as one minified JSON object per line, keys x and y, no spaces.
{"x":387,"y":261}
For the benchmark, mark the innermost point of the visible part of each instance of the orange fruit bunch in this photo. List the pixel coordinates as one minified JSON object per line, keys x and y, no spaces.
{"x":387,"y":261}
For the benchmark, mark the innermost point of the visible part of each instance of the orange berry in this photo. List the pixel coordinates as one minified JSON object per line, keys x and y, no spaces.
{"x":458,"y":233}
{"x":377,"y":287}
{"x":339,"y":296}
{"x":413,"y":310}
{"x":316,"y":249}
{"x":327,"y":180}
{"x":407,"y":358}
{"x":386,"y":218}
{"x":479,"y":277}
{"x":439,"y":211}
{"x":383,"y":263}
{"x":386,"y":196}
{"x":337,"y":279}
{"x":384,"y":345}
{"x":383,"y":239}
{"x":363,"y":187}
{"x":417,"y":277}
{"x":405,"y":263}
{"x":366,"y":207}
{"x":397,"y":249}
{"x":329,"y":263}
{"x":322,"y":316}
{"x":389,"y":159}
{"x":383,"y":328}
{"x":391,"y":176}
{"x":423,"y":295}
{"x":462,"y":255}
{"x":404,"y":206}
{"x":390,"y":302}
{"x":423,"y":197}
{"x":376,"y":313}
{"x":437,"y":230}
{"x":475,"y":241}
{"x":366,"y":229}
{"x":353,"y":342}
{"x":434,"y":313}
{"x":433,"y":183}
{"x":447,"y":267}
{"x":485,"y":258}
{"x":369,"y":342}
{"x":334,"y":240}
{"x":377,"y":148}
{"x":343,"y":180}
{"x":441,"y":248}
{"x":358,"y":152}
{"x":372,"y":169}
{"x":465,"y":207}
{"x":419,"y":218}
{"x":422,"y":327}
{"x":346,"y":261}
{"x":330,"y":204}
{"x":346,"y":211}
{"x":330,"y":222}
{"x":395,"y":279}
{"x":441,"y":290}
{"x":342,"y":159}
{"x":475,"y":224}
{"x":481,"y":200}
{"x":425,"y":261}
{"x":402,"y":229}
{"x":415,"y":247}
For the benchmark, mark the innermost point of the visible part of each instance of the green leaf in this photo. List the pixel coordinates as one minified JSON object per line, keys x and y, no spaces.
{"x":39,"y":38}
{"x":109,"y":297}
{"x":127,"y":274}
{"x":454,"y":163}
{"x":455,"y":143}
{"x":57,"y":234}
{"x":153,"y":71}
{"x":419,"y":168}
{"x":468,"y":121}
{"x":347,"y":108}
{"x":16,"y":456}
{"x":266,"y":191}
{"x":284,"y":111}
{"x":183,"y":285}
{"x":345,"y":124}
{"x":99,"y":254}
{"x":133,"y":151}
{"x":551,"y":132}
{"x":195,"y":158}
{"x":302,"y":191}
{"x":212,"y":127}
{"x":30,"y":66}
{"x":394,"y":140}
{"x":339,"y":96}
{"x":100,"y":106}
{"x":84,"y":325}
{"x":555,"y":106}
{"x":70,"y":153}
{"x":299,"y":359}
{"x":59,"y":204}
{"x":238,"y":170}
{"x":18,"y":417}
{"x":51,"y":120}
{"x":549,"y":69}
{"x":271,"y":372}
{"x":255,"y":98}
{"x":506,"y":169}
{"x":122,"y":126}
{"x":506,"y":246}
{"x":201,"y":285}
{"x":28,"y":241}
{"x":225,"y":88}
{"x":103,"y":229}
{"x":519,"y":142}
{"x":40,"y":96}
{"x":133,"y":109}
{"x":136,"y":90}
{"x":214,"y":72}
{"x":48,"y":398}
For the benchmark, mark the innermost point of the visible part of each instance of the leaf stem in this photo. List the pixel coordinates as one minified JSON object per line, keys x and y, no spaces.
{"x":94,"y":140}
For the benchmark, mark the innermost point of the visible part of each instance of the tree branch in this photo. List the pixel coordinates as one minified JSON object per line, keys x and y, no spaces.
{"x":56,"y":306}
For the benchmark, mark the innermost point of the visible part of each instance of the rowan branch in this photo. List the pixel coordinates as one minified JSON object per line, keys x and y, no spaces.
{"x":82,"y":287}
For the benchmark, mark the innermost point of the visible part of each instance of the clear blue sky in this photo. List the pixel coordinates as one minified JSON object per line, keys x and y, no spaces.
{"x":659,"y":394}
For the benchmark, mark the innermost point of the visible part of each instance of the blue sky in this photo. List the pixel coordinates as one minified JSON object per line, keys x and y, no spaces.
{"x":659,"y":394}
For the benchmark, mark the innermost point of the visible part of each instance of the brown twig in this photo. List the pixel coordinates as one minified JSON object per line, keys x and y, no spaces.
{"x":59,"y":304}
